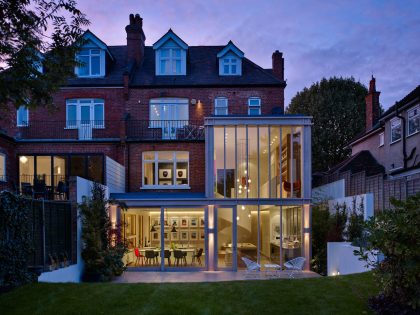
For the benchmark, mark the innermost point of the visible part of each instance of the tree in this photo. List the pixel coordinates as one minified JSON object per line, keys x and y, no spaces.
{"x":37,"y":33}
{"x":337,"y":106}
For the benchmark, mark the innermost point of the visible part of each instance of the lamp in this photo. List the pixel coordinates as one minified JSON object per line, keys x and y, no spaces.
{"x":173,"y":227}
{"x":153,"y":229}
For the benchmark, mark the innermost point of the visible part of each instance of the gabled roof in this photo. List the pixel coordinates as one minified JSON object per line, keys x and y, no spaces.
{"x":361,"y":161}
{"x":168,"y":36}
{"x":231,"y":47}
{"x":88,"y":35}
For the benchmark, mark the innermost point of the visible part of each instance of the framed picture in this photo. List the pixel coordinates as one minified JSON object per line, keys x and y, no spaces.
{"x":155,"y":236}
{"x":181,"y":173}
{"x":193,"y":235}
{"x":165,"y":173}
{"x":202,"y":222}
{"x":193,"y":222}
{"x":174,"y":221}
{"x":166,"y":235}
{"x":184,"y":235}
{"x":174,"y":236}
{"x":155,"y":221}
{"x":184,"y":222}
{"x":202,"y":236}
{"x":276,"y":231}
{"x":165,"y":222}
{"x":165,"y":182}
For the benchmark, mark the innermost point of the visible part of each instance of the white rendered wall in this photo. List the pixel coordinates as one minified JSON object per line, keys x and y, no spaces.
{"x":366,"y":199}
{"x":115,"y":176}
{"x":329,"y":191}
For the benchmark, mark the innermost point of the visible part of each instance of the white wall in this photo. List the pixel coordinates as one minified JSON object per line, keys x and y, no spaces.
{"x":366,"y":199}
{"x":342,"y":261}
{"x":114,"y":176}
{"x":329,"y":191}
{"x":73,"y":273}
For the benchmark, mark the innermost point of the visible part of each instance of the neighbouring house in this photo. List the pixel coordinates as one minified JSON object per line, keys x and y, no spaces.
{"x":385,"y":159}
{"x":192,"y":138}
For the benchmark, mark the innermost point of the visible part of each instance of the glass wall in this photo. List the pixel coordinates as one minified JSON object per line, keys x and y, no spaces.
{"x":265,"y":161}
{"x":291,"y":232}
{"x":247,"y":233}
{"x":269,"y":235}
{"x":224,"y":238}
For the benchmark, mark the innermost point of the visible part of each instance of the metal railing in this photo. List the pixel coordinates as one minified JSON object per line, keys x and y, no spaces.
{"x":165,"y":130}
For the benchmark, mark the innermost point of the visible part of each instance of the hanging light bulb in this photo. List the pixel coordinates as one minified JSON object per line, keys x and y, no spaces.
{"x":249,"y":215}
{"x":240,"y":186}
{"x":237,"y":218}
{"x":240,"y":191}
{"x":249,"y":180}
{"x":23,"y":159}
{"x":243,"y":207}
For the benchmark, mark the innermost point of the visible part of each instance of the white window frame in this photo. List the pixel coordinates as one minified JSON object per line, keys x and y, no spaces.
{"x":171,"y":60}
{"x":78,"y":102}
{"x":90,"y":54}
{"x":416,"y":116}
{"x":174,"y":162}
{"x":3,"y":176}
{"x":230,"y":61}
{"x":381,"y":139}
{"x":20,"y":122}
{"x":395,"y":123}
{"x":221,"y":104}
{"x":254,"y":106}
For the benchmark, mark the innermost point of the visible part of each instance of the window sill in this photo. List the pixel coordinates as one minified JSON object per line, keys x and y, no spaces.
{"x":396,"y":141}
{"x":164,"y":187}
{"x":413,"y":134}
{"x":90,"y":76}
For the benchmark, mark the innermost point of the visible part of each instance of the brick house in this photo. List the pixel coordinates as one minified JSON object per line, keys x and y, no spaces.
{"x":385,"y":158}
{"x":192,"y":138}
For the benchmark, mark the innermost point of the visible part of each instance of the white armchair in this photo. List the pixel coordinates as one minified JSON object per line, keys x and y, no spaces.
{"x":252,"y":268}
{"x":295,"y":265}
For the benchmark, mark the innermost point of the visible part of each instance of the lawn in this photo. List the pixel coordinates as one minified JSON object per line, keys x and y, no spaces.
{"x":333,"y":295}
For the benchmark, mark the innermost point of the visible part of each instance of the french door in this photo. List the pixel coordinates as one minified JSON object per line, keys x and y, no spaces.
{"x":85,"y":122}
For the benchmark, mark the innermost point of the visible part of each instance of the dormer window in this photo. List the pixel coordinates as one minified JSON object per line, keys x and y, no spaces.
{"x":90,"y":60}
{"x":230,"y":60}
{"x":170,"y":55}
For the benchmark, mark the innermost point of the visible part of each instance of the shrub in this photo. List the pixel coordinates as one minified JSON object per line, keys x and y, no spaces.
{"x":395,"y":233}
{"x":103,"y":247}
{"x":320,"y":228}
{"x":15,"y":241}
{"x":355,"y":222}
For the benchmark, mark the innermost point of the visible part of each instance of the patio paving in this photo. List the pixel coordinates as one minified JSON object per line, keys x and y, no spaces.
{"x":203,"y":276}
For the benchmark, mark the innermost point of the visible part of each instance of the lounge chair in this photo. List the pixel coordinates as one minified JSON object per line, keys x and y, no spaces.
{"x":252,"y":268}
{"x":295,"y":265}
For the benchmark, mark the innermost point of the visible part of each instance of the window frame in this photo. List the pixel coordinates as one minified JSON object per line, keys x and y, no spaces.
{"x":156,"y":162}
{"x":3,"y":177}
{"x":392,"y":127}
{"x":381,"y":139}
{"x":250,"y":106}
{"x":22,"y":123}
{"x":416,"y":116}
{"x":90,"y":55}
{"x":171,"y":60}
{"x":230,"y":61}
{"x":219,"y":107}
{"x":79,"y":102}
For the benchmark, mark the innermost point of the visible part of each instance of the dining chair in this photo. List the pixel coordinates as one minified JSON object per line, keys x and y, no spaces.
{"x":139,"y":257}
{"x":150,"y":257}
{"x":167,"y":255}
{"x":197,"y":257}
{"x":179,"y":255}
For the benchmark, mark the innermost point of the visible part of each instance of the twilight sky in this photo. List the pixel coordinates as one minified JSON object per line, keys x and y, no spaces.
{"x":318,"y":38}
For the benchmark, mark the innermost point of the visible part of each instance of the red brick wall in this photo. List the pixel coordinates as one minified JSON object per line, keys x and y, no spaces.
{"x":7,"y":147}
{"x":196,"y":165}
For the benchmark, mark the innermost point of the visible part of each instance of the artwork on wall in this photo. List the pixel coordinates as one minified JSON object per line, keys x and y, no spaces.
{"x":184,"y":235}
{"x":166,"y":235}
{"x":165,"y":173}
{"x":155,"y":236}
{"x":184,"y":222}
{"x":202,"y":235}
{"x":174,"y":221}
{"x":193,"y":222}
{"x":194,"y":235}
{"x":275,"y":231}
{"x":202,"y":222}
{"x":155,"y":221}
{"x":174,"y":236}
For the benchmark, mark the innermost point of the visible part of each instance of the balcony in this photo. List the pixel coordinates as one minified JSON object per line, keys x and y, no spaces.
{"x":165,"y":130}
{"x":90,"y":130}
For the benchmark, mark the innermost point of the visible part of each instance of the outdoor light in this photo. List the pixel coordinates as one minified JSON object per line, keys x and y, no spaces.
{"x":23,"y":159}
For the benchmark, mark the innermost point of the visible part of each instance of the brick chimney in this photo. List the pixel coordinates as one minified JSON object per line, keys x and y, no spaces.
{"x":278,"y":65}
{"x":372,"y":105}
{"x":135,"y":39}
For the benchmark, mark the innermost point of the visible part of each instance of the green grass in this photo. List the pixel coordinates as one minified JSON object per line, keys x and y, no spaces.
{"x":333,"y":295}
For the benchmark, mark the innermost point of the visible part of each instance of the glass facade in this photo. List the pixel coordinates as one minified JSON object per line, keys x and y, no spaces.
{"x":258,"y":162}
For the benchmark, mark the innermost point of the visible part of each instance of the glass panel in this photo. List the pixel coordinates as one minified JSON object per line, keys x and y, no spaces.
{"x":176,"y":53}
{"x":165,"y":156}
{"x":254,"y":111}
{"x":84,"y":65}
{"x":219,"y":162}
{"x":251,"y":181}
{"x":43,"y":170}
{"x":230,"y":162}
{"x":254,"y":102}
{"x":275,"y":162}
{"x":163,"y":66}
{"x":414,"y":120}
{"x":164,"y":53}
{"x":221,"y":111}
{"x":177,"y":66}
{"x":95,"y":168}
{"x":85,"y":114}
{"x":60,"y":179}
{"x":264,"y":158}
{"x":149,"y":172}
{"x":77,"y":166}
{"x":395,"y":130}
{"x":224,"y":238}
{"x":286,"y":167}
{"x":71,"y":116}
{"x":148,"y":155}
{"x":233,"y":68}
{"x":292,"y":232}
{"x":225,"y":69}
{"x":22,"y":116}
{"x":26,"y":173}
{"x":165,"y":173}
{"x":182,"y":155}
{"x":99,"y":114}
{"x":247,"y":234}
{"x":2,"y":167}
{"x":297,"y":162}
{"x":269,"y":235}
{"x":182,"y":173}
{"x":141,"y":230}
{"x":241,"y":161}
{"x":95,"y":65}
{"x":184,"y":238}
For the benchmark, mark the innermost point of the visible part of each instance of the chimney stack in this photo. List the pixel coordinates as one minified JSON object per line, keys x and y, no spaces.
{"x":135,"y":39}
{"x":278,"y":65}
{"x":372,"y":105}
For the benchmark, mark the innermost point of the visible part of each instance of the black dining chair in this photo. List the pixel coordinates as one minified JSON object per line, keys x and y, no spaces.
{"x":40,"y":188}
{"x":27,"y":189}
{"x":61,"y":190}
{"x":197,"y":257}
{"x":167,"y":255}
{"x":150,"y":257}
{"x":179,"y":255}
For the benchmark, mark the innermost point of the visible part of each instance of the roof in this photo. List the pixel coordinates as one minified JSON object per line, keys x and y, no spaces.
{"x":231,"y":47}
{"x":202,"y":70}
{"x":170,"y":35}
{"x":361,"y":161}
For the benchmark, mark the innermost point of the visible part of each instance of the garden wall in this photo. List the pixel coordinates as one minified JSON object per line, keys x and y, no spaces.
{"x":342,"y":261}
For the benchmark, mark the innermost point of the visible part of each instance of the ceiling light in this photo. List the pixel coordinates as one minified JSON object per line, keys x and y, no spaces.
{"x":23,"y":159}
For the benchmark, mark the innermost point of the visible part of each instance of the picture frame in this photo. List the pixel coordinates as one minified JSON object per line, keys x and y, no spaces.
{"x":155,"y":236}
{"x":193,"y":235}
{"x":193,"y":222}
{"x":165,"y":173}
{"x":184,"y":222}
{"x":165,"y":182}
{"x":174,"y":221}
{"x":184,"y":235}
{"x":166,"y":235}
{"x":202,"y":222}
{"x":174,"y":236}
{"x":202,"y":235}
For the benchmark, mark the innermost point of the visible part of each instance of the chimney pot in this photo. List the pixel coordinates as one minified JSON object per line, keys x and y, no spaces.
{"x":278,"y":65}
{"x":372,"y":105}
{"x":135,"y":39}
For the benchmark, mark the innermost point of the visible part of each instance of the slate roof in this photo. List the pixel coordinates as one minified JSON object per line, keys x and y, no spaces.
{"x":202,"y":70}
{"x":361,"y":161}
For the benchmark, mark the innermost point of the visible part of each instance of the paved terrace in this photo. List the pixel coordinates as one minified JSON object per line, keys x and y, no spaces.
{"x":205,"y":276}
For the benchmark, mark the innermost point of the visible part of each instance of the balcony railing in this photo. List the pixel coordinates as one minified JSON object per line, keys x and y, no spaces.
{"x":148,"y":130}
{"x":165,"y":130}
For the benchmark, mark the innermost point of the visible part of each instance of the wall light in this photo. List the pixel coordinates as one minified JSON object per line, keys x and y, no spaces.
{"x":23,"y":159}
